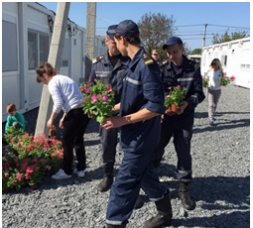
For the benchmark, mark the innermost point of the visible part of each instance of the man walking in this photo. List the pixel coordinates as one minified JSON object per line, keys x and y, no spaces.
{"x":180,"y":71}
{"x":109,"y":68}
{"x":141,"y":105}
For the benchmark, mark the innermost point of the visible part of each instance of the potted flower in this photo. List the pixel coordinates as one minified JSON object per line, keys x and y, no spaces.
{"x":204,"y":82}
{"x":98,"y":99}
{"x":172,"y":99}
{"x":226,"y":80}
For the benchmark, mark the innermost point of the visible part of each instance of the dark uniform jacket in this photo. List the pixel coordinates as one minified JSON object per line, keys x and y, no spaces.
{"x":103,"y":70}
{"x":143,"y":88}
{"x":188,"y":77}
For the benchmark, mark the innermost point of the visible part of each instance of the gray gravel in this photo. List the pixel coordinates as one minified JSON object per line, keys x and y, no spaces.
{"x":221,"y":184}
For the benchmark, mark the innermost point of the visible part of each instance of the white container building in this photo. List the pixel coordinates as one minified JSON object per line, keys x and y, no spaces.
{"x":26,"y":36}
{"x":234,"y":57}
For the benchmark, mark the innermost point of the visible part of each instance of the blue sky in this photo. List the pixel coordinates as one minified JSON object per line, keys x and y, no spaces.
{"x":189,"y":17}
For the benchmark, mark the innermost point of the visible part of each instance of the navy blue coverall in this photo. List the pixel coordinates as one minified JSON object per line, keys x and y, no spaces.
{"x":180,"y":126}
{"x":143,"y":88}
{"x":103,"y":70}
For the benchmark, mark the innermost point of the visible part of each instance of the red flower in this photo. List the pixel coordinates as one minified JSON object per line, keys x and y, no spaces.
{"x":232,"y":78}
{"x":19,"y":177}
{"x":7,"y":165}
{"x":29,"y":170}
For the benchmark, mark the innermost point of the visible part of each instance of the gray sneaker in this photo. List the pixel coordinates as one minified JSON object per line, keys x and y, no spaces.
{"x":80,"y":173}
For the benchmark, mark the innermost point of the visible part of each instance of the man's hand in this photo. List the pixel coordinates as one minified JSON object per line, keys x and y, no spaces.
{"x":182,"y":106}
{"x":114,"y":122}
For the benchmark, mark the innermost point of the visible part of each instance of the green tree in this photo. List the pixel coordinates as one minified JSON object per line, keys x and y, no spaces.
{"x":155,"y":29}
{"x":197,"y":51}
{"x":228,"y":37}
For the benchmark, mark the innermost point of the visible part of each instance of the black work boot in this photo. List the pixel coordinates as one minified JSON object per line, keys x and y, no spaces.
{"x":186,"y":200}
{"x":116,"y":226}
{"x":164,"y":213}
{"x":107,"y":181}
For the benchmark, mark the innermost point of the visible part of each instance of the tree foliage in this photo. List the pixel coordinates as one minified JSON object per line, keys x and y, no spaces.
{"x":197,"y":51}
{"x":155,"y":29}
{"x":228,"y":37}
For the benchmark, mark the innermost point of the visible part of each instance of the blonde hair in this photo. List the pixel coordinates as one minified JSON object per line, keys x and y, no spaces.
{"x":46,"y":68}
{"x":11,"y":108}
{"x":216,"y":61}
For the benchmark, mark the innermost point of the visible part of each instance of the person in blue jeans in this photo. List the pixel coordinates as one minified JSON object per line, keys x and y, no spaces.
{"x":15,"y":119}
{"x":142,"y":103}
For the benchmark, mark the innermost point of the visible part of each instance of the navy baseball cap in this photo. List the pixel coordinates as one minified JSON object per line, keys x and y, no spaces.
{"x":172,"y":41}
{"x":111,"y":31}
{"x":128,"y":28}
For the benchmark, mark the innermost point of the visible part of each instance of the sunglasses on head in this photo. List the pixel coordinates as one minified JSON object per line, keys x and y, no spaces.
{"x":213,"y":64}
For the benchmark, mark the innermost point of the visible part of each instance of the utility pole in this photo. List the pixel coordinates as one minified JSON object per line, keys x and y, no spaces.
{"x":204,"y":37}
{"x":54,"y":58}
{"x":90,"y":37}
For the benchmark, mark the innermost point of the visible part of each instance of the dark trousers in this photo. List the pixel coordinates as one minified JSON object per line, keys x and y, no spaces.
{"x":136,"y":171}
{"x":74,"y":126}
{"x":181,"y":130}
{"x":109,"y":141}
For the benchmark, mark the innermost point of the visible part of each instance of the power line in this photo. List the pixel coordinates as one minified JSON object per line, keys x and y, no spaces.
{"x":229,"y":26}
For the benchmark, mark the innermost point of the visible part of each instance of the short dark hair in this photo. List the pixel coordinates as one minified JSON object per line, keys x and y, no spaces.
{"x":46,"y":68}
{"x":131,"y":40}
{"x":11,"y":108}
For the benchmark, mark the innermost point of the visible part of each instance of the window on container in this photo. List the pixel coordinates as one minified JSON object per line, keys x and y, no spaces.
{"x":38,"y":49}
{"x":32,"y":50}
{"x":224,"y":60}
{"x":9,"y":47}
{"x":65,"y":54}
{"x":44,"y":48}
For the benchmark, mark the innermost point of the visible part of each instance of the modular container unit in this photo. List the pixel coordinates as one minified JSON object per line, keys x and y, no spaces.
{"x":26,"y":36}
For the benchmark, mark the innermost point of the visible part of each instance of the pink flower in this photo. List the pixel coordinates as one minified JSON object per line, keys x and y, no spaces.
{"x":27,"y":176}
{"x":19,"y":176}
{"x":93,"y":98}
{"x":170,"y":87}
{"x":82,"y":89}
{"x":178,"y":86}
{"x":168,"y":96}
{"x":108,"y":88}
{"x":87,"y":90}
{"x":60,"y":154}
{"x":104,"y":98}
{"x":232,"y":78}
{"x":29,"y":170}
{"x":84,"y":99}
{"x":88,"y":82}
{"x":6,"y":175}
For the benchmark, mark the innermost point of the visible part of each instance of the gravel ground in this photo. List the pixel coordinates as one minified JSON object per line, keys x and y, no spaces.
{"x":221,"y":184}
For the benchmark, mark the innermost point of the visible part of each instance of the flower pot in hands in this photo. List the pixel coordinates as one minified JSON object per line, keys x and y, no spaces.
{"x":173,"y":107}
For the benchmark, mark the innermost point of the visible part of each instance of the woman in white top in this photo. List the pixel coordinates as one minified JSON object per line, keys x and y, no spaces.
{"x":214,"y":76}
{"x":66,"y":95}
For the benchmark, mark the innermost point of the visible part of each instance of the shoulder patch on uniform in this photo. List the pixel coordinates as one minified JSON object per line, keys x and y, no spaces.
{"x":147,"y":59}
{"x":95,"y":60}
